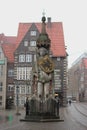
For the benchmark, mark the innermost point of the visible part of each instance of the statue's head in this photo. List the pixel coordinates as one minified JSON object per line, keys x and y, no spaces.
{"x":43,"y":51}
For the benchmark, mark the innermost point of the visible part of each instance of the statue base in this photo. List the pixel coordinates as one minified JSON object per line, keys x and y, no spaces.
{"x":42,"y":118}
{"x":43,"y":111}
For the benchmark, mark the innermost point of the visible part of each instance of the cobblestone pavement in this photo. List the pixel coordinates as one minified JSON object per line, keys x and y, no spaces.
{"x":10,"y":121}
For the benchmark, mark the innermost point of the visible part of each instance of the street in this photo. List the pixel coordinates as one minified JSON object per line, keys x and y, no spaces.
{"x":74,"y":115}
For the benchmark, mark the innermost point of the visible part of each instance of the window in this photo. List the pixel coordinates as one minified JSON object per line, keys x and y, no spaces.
{"x":28,"y":58}
{"x":0,"y":98}
{"x":23,"y":73}
{"x":28,"y":73}
{"x":27,"y":90}
{"x":33,"y":33}
{"x":22,"y":58}
{"x":56,"y":71}
{"x":32,"y":43}
{"x":17,"y":89}
{"x":10,"y":88}
{"x":0,"y":103}
{"x":1,"y":85}
{"x":1,"y":70}
{"x":25,"y":43}
{"x":22,"y":89}
{"x":22,"y":100}
{"x":58,"y":59}
{"x":10,"y":73}
{"x":57,"y":78}
{"x":1,"y":41}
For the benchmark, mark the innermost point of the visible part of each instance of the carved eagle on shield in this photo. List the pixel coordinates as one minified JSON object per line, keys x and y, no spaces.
{"x":46,"y":64}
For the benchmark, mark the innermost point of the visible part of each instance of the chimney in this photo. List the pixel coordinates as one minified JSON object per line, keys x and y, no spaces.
{"x":49,"y":22}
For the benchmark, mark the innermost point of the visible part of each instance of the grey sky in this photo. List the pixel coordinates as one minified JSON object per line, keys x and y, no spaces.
{"x":72,"y":13}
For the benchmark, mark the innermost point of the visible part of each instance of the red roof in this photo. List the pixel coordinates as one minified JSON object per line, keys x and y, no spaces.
{"x":85,"y":62}
{"x":9,"y":51}
{"x":11,"y":39}
{"x":22,"y":30}
{"x":9,"y":46}
{"x":55,"y":33}
{"x":7,"y":39}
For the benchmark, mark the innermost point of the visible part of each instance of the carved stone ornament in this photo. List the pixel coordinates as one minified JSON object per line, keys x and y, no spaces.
{"x":46,"y":64}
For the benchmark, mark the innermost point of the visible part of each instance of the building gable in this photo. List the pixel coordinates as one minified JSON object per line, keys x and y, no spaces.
{"x":55,"y":32}
{"x":30,"y":37}
{"x":8,"y":44}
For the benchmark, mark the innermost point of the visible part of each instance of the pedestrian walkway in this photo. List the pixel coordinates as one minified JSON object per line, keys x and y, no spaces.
{"x":81,"y":107}
{"x":10,"y":115}
{"x":13,"y":121}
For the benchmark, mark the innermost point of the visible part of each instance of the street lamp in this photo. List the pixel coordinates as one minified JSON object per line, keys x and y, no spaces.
{"x":17,"y":103}
{"x":27,"y":87}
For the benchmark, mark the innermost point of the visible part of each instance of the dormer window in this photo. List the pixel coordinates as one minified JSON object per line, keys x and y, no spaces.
{"x":1,"y":41}
{"x":25,"y":43}
{"x":33,"y":33}
{"x":58,"y":59}
{"x":32,"y":43}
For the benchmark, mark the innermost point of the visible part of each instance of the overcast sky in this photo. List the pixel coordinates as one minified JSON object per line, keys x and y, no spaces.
{"x":72,"y":13}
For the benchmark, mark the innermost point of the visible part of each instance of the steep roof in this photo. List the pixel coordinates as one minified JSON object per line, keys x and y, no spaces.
{"x":8,"y":44}
{"x":7,"y":39}
{"x":9,"y":51}
{"x":85,"y":62}
{"x":55,"y":32}
{"x":11,"y":39}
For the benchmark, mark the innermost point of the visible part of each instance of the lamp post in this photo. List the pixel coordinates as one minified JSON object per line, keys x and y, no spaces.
{"x":27,"y":88}
{"x":10,"y":101}
{"x":17,"y":103}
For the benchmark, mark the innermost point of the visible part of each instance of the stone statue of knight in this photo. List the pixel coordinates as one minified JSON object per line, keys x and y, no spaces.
{"x":42,"y":101}
{"x":44,"y":67}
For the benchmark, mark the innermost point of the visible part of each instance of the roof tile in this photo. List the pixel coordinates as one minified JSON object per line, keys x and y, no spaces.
{"x":55,"y":33}
{"x":9,"y":46}
{"x":9,"y":51}
{"x":85,"y":62}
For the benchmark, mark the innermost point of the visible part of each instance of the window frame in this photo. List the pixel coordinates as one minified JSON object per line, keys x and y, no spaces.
{"x":10,"y":73}
{"x":33,"y":43}
{"x":29,"y":58}
{"x":26,"y":43}
{"x":1,"y":86}
{"x":21,"y":58}
{"x":33,"y":33}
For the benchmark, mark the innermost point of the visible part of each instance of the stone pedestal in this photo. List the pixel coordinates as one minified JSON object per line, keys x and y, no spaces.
{"x":43,"y":111}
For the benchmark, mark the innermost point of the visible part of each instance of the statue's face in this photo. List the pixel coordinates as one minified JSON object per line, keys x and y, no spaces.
{"x":43,"y":51}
